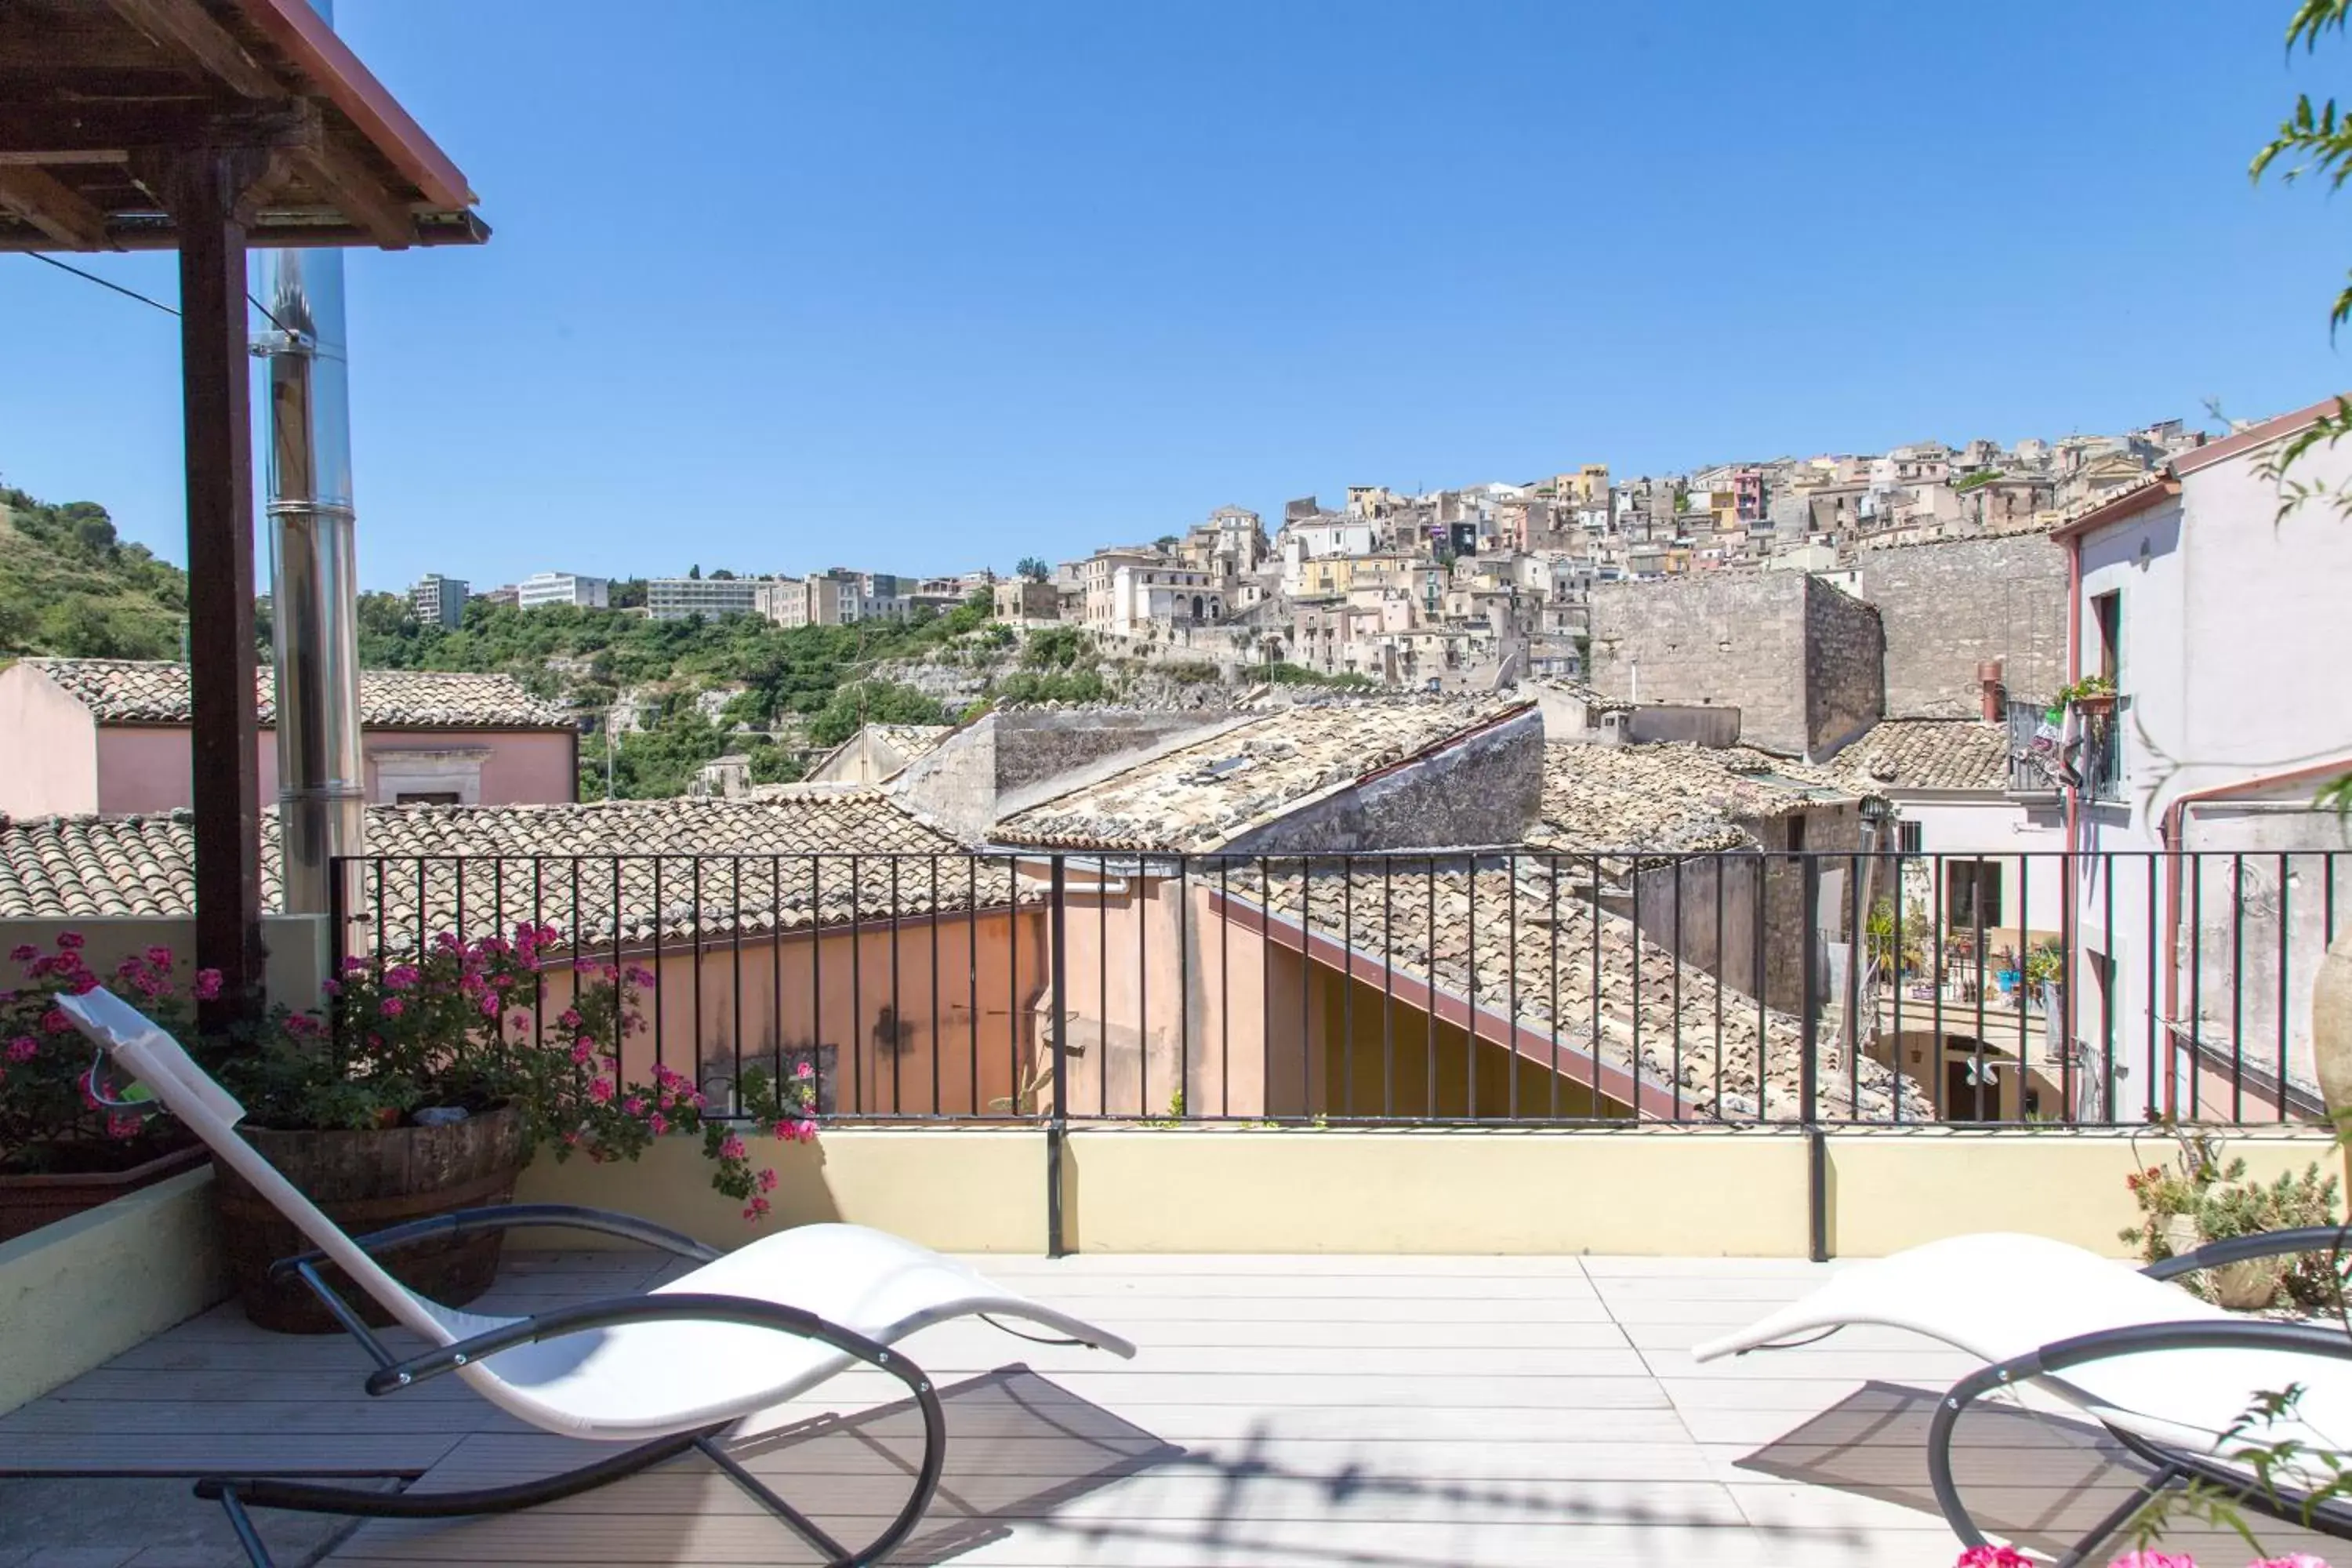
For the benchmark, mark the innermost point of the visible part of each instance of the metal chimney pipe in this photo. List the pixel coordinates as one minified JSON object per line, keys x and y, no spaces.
{"x":314,"y":606}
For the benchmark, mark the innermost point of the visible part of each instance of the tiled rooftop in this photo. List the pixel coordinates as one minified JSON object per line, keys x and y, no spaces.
{"x":1670,"y":799}
{"x":1534,"y":939}
{"x":911,"y":741}
{"x":83,"y":866}
{"x":154,"y":692}
{"x":1199,"y":796}
{"x":1928,"y":754}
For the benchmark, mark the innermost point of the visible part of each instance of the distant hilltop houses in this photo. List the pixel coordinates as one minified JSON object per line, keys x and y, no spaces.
{"x":1452,"y":589}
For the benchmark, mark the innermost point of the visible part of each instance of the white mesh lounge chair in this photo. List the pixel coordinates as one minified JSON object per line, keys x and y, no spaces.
{"x":2169,"y":1375}
{"x":675,"y":1368}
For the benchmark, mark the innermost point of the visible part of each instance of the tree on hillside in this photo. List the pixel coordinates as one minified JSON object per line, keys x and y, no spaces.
{"x":694,"y":572}
{"x":1035,"y":570}
{"x":866,"y":702}
{"x":1166,"y":543}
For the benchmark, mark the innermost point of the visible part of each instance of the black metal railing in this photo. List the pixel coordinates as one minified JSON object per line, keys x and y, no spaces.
{"x":1823,"y":987}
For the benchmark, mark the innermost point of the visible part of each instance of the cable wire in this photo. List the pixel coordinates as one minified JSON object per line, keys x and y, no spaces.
{"x":94,"y":278}
{"x":134,"y":294}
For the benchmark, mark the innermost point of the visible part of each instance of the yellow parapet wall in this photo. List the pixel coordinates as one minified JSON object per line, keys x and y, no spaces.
{"x":1700,"y":1192}
{"x":956,"y":1189}
{"x":75,"y":1294}
{"x":1892,"y":1190}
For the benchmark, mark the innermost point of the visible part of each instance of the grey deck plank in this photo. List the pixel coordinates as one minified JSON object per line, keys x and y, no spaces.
{"x":1327,"y":1412}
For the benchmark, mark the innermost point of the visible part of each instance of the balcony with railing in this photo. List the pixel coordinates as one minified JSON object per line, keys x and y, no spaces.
{"x":1416,"y":1176}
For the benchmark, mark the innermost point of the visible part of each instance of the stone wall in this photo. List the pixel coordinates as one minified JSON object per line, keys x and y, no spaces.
{"x":1483,"y":791}
{"x":1845,"y":658}
{"x":1948,"y":607}
{"x":1003,"y":761}
{"x":1736,"y":640}
{"x":1798,"y":659}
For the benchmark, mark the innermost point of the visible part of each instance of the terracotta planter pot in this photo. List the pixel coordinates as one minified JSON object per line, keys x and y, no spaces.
{"x":28,"y":1203}
{"x":2331,"y":1026}
{"x":2099,"y":707}
{"x":366,"y":1181}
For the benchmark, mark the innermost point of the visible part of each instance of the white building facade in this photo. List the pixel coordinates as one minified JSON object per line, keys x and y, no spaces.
{"x":2214,"y":601}
{"x":543,"y":588}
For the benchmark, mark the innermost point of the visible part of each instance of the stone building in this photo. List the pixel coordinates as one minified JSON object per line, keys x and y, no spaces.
{"x":1796,"y":655}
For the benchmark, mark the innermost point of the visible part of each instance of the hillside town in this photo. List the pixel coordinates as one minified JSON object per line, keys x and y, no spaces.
{"x":867,"y":950}
{"x":1452,"y":589}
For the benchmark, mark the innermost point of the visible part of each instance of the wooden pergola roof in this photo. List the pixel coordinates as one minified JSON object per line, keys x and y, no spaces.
{"x":89,"y":89}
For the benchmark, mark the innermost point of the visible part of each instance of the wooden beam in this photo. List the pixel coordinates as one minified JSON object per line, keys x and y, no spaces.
{"x":358,"y":195}
{"x":48,"y":205}
{"x":183,"y":29}
{"x":270,"y":231}
{"x":209,"y":192}
{"x":69,"y":131}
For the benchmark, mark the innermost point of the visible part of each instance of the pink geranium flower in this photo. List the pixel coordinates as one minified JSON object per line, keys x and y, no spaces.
{"x":24,"y":953}
{"x":601,"y":1091}
{"x":659,"y":1122}
{"x":69,"y":940}
{"x":2143,"y":1560}
{"x":208,"y":985}
{"x":756,"y":1209}
{"x":22,"y":1047}
{"x":732,"y":1148}
{"x":392,"y":1007}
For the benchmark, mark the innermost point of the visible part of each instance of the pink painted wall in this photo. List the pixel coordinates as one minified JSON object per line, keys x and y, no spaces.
{"x":145,"y":767}
{"x":836,"y":991}
{"x":49,"y":747}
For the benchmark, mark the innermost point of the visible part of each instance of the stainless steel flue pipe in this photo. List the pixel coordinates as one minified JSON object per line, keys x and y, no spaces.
{"x":314,"y":596}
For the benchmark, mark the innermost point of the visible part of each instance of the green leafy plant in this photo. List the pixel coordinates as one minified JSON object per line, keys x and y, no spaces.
{"x":49,"y":1124}
{"x":2089,"y":686}
{"x":464,"y":1024}
{"x":2211,"y":1191}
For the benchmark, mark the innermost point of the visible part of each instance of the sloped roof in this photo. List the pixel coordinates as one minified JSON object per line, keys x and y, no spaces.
{"x":1520,"y":939}
{"x":763,"y":865}
{"x":908,"y":743}
{"x":1199,"y":796}
{"x":1928,"y":754}
{"x":1670,"y":797}
{"x":156,"y":691}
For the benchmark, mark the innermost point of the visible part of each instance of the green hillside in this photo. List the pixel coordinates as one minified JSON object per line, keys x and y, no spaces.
{"x":69,"y":586}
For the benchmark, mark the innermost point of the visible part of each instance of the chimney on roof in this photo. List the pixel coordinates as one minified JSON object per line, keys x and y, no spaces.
{"x":1989,"y":689}
{"x":313,"y":582}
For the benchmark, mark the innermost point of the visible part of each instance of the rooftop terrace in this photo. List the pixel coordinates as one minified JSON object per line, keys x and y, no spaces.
{"x":1308,"y":1411}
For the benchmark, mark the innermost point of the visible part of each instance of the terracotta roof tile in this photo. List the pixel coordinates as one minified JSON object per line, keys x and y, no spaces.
{"x":154,"y":692}
{"x":1199,"y":796}
{"x":79,"y":866}
{"x":1670,"y":799}
{"x":1928,"y":754}
{"x":1531,"y":936}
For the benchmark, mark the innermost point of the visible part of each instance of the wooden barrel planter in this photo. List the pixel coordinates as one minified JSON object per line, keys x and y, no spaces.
{"x":365,"y":1181}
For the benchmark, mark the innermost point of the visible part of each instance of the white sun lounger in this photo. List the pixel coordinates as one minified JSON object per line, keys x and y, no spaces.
{"x":678,"y":1367}
{"x":2170,"y":1375}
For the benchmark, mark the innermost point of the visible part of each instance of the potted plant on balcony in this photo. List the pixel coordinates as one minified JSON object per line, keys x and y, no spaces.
{"x":60,"y":1152}
{"x":2094,"y":697}
{"x":428,"y":1084}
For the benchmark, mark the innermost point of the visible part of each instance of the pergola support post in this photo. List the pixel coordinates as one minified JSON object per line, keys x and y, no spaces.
{"x":208,"y":191}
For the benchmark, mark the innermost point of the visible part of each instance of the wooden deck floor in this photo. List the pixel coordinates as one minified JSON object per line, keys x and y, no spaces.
{"x":1312,"y":1411}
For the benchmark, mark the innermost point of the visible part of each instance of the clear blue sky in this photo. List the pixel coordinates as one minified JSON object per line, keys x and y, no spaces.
{"x":776,"y":286}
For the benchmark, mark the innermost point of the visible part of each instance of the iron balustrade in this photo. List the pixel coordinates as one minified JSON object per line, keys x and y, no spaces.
{"x":1825,"y":988}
